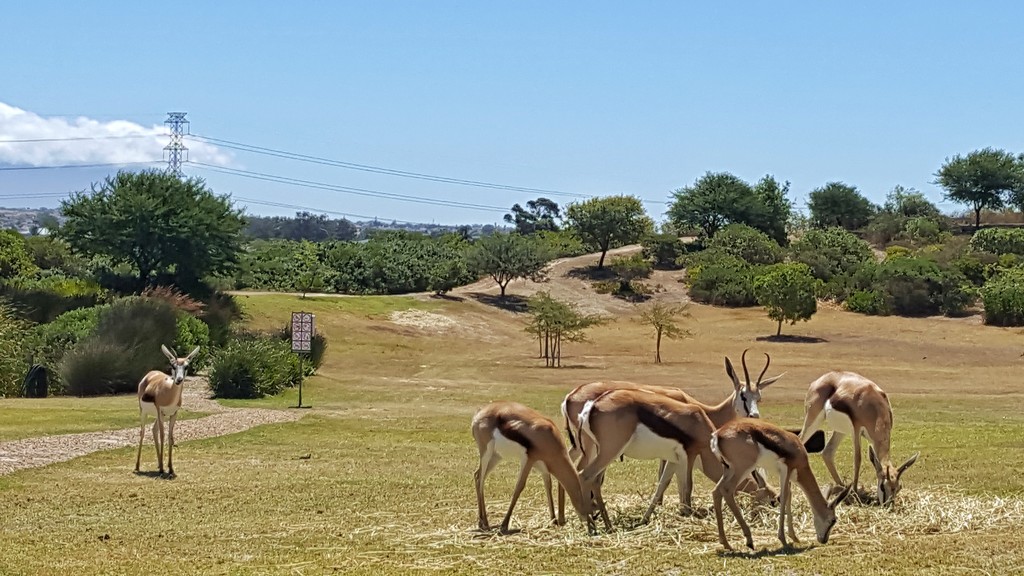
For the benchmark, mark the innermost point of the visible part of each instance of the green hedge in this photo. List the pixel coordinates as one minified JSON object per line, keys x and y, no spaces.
{"x":253,"y":366}
{"x":1003,"y":297}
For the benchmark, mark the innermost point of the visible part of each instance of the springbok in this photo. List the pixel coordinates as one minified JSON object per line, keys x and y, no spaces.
{"x":745,"y":444}
{"x":647,"y":425}
{"x":506,"y":429}
{"x":741,"y":402}
{"x":160,"y":396}
{"x":854,"y":405}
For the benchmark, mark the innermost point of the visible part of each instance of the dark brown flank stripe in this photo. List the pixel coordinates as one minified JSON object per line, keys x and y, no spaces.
{"x":662,"y":427}
{"x":148,"y":397}
{"x":512,"y":433}
{"x":769,"y":442}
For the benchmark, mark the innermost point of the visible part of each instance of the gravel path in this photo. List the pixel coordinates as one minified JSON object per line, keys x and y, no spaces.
{"x":41,"y":451}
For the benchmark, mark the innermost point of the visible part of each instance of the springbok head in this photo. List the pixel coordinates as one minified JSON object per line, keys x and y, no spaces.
{"x":179,"y":366}
{"x":748,"y":393}
{"x":889,"y":476}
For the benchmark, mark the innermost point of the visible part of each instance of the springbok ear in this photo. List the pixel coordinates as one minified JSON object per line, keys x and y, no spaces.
{"x":170,"y":355}
{"x":840,"y":497}
{"x":732,"y":373}
{"x":903,"y":467}
{"x":192,"y":353}
{"x":766,"y":383}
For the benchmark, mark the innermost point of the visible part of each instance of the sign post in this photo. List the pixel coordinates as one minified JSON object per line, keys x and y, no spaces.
{"x":302,"y":343}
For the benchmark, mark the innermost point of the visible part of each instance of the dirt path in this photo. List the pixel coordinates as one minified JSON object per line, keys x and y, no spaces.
{"x":44,"y":450}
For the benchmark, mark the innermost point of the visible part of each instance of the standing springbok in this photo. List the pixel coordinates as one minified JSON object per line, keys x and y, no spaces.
{"x":160,"y":396}
{"x":745,"y":444}
{"x":741,"y":402}
{"x":854,"y":405}
{"x":646,"y":425}
{"x":511,"y":430}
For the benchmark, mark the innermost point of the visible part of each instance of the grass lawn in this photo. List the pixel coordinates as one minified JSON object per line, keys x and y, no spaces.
{"x":378,"y":477}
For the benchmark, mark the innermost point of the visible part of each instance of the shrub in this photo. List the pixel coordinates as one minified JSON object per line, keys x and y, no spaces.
{"x":746,"y":243}
{"x":999,"y":241}
{"x":221,"y":312}
{"x":923,"y":229}
{"x":15,"y":258}
{"x":893,"y":252}
{"x":253,"y":366}
{"x":96,"y":367}
{"x":664,"y":250}
{"x":723,"y":280}
{"x":48,"y":343}
{"x":43,"y":298}
{"x":1003,"y":298}
{"x":192,"y":332}
{"x":12,"y":358}
{"x":918,"y":286}
{"x":830,"y":252}
{"x":870,"y":302}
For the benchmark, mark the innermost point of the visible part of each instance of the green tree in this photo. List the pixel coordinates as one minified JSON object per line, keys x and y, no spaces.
{"x":909,"y":203}
{"x":986,"y":178}
{"x":717,"y":199}
{"x":609,"y":222}
{"x":747,"y":243}
{"x":158,"y":223}
{"x":308,"y":269}
{"x":664,"y":319}
{"x":505,"y":257}
{"x":838,"y":204}
{"x":787,"y":291}
{"x":539,"y":215}
{"x":15,"y":258}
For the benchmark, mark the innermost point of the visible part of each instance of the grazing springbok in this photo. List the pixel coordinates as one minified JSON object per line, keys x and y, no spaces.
{"x":854,"y":405}
{"x":646,"y":425}
{"x":160,"y":396}
{"x":741,"y":402}
{"x":511,"y":430}
{"x":745,"y":444}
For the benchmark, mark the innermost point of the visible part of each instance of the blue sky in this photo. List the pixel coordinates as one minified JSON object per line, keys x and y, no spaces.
{"x":590,"y":98}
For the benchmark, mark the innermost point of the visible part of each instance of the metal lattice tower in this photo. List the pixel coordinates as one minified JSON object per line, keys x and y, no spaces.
{"x":175,"y":151}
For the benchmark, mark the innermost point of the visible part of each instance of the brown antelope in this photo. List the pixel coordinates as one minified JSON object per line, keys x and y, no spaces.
{"x":646,"y":425}
{"x":741,"y":402}
{"x":511,"y":430}
{"x":855,"y":406}
{"x":160,"y":396}
{"x":745,"y":444}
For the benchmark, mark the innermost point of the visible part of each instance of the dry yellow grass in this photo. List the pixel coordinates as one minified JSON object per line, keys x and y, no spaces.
{"x":377,"y":479}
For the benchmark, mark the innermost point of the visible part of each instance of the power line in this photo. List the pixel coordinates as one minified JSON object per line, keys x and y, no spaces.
{"x":68,"y":166}
{"x":347,"y":189}
{"x":347,"y":215}
{"x":78,"y":138}
{"x":377,"y":169}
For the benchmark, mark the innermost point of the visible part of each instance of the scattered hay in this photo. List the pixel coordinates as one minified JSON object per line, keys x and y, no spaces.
{"x":422,"y":319}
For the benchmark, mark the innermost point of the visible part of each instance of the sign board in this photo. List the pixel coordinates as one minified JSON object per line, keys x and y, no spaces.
{"x":302,"y":331}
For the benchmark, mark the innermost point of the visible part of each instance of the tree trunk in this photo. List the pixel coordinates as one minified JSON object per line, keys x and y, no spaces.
{"x":779,"y":331}
{"x":657,"y":349}
{"x":502,"y":286}
{"x":977,"y":218}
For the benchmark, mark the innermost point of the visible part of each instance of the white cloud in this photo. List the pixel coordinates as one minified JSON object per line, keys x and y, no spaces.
{"x":113,"y":142}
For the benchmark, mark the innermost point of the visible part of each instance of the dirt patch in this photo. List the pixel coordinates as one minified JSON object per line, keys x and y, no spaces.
{"x":423,"y":320}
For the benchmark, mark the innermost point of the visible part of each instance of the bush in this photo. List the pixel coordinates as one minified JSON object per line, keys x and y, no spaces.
{"x":42,"y":299}
{"x":999,"y":241}
{"x":870,"y":302}
{"x":918,"y":287}
{"x":787,"y":292}
{"x":192,"y":332}
{"x":721,"y":279}
{"x":924,"y":230}
{"x":48,"y":343}
{"x":12,"y":358}
{"x":664,"y":250}
{"x":746,"y":243}
{"x":253,"y":366}
{"x":221,"y":312}
{"x":1003,"y":298}
{"x":96,"y":367}
{"x":830,"y":252}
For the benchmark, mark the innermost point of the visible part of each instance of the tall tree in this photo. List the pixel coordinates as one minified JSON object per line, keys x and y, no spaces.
{"x":539,"y":215}
{"x":787,"y":292}
{"x":717,"y":199}
{"x":156,"y":222}
{"x":609,"y":222}
{"x":839,"y":204}
{"x":505,"y":257}
{"x":986,"y":178}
